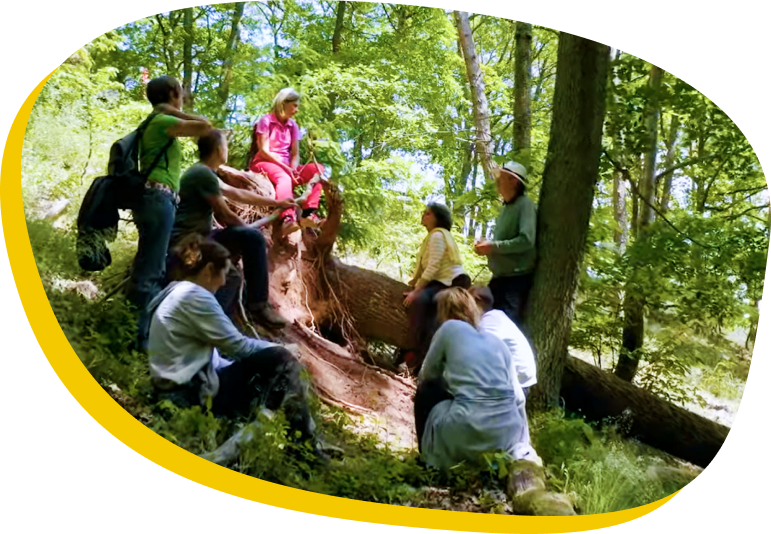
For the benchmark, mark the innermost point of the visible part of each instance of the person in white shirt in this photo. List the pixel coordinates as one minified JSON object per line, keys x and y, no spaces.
{"x":468,"y":402}
{"x":189,"y":329}
{"x":497,"y":323}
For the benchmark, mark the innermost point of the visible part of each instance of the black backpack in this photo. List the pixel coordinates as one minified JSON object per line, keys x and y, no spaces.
{"x":122,"y":188}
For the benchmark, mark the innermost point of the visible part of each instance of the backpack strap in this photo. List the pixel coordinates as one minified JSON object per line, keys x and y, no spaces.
{"x":162,"y":153}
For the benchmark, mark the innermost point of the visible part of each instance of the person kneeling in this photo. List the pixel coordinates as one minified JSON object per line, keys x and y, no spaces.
{"x":468,"y":402}
{"x":188,"y":330}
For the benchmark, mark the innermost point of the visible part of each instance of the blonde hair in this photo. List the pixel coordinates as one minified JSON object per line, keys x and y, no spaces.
{"x":285,"y":95}
{"x":457,"y":303}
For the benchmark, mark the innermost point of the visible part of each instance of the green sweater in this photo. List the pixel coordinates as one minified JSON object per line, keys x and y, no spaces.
{"x":514,"y":239}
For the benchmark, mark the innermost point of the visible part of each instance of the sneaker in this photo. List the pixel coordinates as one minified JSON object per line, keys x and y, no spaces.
{"x":289,"y":226}
{"x":312,"y":221}
{"x":264,"y":313}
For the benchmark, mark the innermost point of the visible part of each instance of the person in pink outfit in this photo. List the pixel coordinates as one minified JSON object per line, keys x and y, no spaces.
{"x":276,"y":141}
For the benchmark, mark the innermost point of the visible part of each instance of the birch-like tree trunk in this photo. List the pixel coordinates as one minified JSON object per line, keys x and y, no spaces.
{"x":484,"y":140}
{"x":666,"y":192}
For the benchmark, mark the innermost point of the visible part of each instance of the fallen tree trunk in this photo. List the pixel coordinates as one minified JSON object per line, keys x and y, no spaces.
{"x":598,"y":394}
{"x":374,"y":301}
{"x":372,"y":304}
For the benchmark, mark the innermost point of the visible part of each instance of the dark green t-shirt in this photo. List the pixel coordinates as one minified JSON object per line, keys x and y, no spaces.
{"x":195,"y":214}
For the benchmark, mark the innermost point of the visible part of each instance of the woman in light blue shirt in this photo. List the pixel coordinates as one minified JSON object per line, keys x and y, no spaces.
{"x":468,"y":402}
{"x":190,"y":333}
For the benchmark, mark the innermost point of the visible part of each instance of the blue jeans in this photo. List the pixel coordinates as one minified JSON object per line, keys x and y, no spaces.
{"x":154,"y":220}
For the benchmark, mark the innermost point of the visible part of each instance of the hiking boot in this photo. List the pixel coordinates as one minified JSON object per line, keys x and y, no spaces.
{"x":312,"y":221}
{"x":289,"y":226}
{"x":264,"y":313}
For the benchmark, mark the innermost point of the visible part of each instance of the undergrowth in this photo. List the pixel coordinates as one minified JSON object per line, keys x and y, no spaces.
{"x":600,"y":469}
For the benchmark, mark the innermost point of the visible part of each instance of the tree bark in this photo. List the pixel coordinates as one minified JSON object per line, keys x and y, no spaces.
{"x":484,"y":139}
{"x":633,"y":334}
{"x":338,"y":35}
{"x":187,"y":60}
{"x":675,"y":430}
{"x":570,"y":174}
{"x":227,"y":63}
{"x":374,"y":301}
{"x":621,"y":232}
{"x":522,"y":76}
{"x":666,"y":192}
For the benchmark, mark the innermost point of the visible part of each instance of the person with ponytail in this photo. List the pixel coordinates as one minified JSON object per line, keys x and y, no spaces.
{"x":276,"y":153}
{"x":197,"y":353}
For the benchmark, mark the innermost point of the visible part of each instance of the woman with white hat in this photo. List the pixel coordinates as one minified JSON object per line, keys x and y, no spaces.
{"x":511,"y":252}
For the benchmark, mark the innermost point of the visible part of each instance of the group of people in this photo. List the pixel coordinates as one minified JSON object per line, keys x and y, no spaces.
{"x":473,"y":363}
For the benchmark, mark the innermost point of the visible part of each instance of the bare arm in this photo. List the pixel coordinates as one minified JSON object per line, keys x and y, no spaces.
{"x":186,"y":128}
{"x":250,"y":197}
{"x":295,"y":159}
{"x":234,"y":177}
{"x":222,"y":211}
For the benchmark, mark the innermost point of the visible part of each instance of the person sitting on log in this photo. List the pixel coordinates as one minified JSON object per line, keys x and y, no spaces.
{"x":276,"y":153}
{"x":467,"y":401}
{"x":192,"y":340}
{"x":497,"y":323}
{"x":202,"y":197}
{"x":439,"y":266}
{"x":511,"y":254}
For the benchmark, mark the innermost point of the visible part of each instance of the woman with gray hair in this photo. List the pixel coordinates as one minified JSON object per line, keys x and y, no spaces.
{"x":276,"y":149}
{"x":439,"y":266}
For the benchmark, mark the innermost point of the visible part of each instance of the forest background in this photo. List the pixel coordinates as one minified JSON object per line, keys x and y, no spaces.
{"x":416,"y":146}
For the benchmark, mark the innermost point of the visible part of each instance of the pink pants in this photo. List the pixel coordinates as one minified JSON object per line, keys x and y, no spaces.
{"x":285,"y":184}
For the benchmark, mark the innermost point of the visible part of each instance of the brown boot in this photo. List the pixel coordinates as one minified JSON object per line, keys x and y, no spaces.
{"x":264,"y":313}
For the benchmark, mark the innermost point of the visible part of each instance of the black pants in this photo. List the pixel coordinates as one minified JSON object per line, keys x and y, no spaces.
{"x":249,"y":244}
{"x":428,"y":395}
{"x":268,"y":377}
{"x":423,"y":319}
{"x":511,"y":295}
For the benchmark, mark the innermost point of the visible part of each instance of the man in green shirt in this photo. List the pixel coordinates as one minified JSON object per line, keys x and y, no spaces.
{"x":202,"y":198}
{"x":511,"y":252}
{"x":154,"y":217}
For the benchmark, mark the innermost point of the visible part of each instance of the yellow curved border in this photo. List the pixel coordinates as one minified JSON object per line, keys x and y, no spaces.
{"x":134,"y":434}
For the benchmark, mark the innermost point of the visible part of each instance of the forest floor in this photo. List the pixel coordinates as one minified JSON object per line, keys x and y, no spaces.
{"x":365,"y":410}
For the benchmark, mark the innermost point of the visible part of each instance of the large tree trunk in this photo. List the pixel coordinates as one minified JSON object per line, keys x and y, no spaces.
{"x":572,"y":169}
{"x":522,"y":75}
{"x":484,"y":139}
{"x":675,"y":430}
{"x":374,"y":301}
{"x":633,"y":335}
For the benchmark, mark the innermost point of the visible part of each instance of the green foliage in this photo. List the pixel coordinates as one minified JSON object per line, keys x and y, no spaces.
{"x":604,"y":472}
